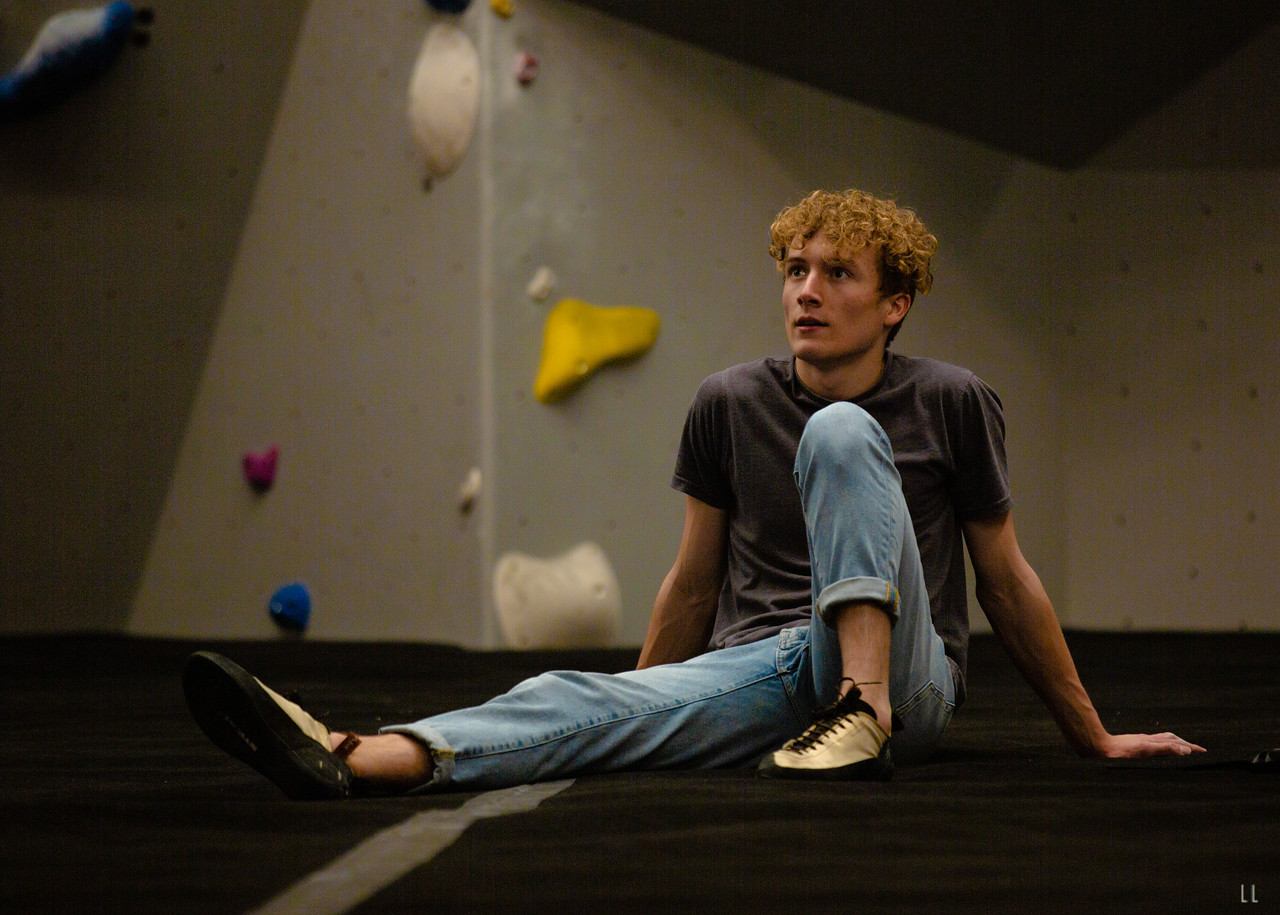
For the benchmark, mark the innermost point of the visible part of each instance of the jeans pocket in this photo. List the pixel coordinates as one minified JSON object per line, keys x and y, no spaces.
{"x":924,"y":718}
{"x":795,"y":672}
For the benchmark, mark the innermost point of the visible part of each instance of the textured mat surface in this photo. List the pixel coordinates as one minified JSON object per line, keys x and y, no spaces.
{"x":115,"y":802}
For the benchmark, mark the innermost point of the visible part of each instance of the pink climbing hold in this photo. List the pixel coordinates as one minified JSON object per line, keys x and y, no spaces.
{"x":260,"y":468}
{"x":526,"y":68}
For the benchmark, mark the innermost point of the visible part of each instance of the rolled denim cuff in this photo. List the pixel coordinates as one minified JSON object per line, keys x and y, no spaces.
{"x":861,"y":590}
{"x":441,"y":753}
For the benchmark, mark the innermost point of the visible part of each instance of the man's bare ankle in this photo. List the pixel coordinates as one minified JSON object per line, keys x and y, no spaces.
{"x":388,"y":760}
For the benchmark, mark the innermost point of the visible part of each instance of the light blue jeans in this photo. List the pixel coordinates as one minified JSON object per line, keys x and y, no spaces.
{"x":729,"y":707}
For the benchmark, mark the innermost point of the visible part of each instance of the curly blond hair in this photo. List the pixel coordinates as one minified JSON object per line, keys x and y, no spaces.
{"x":852,"y":220}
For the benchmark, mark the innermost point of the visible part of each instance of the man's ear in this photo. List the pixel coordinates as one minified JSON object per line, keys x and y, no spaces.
{"x":899,"y":305}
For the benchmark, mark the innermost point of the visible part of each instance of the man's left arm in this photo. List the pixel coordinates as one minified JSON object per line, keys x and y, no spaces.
{"x":1023,"y":618}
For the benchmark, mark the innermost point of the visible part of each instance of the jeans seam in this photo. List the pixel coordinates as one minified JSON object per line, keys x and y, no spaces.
{"x":789,"y":686}
{"x":929,"y":687}
{"x":595,"y":723}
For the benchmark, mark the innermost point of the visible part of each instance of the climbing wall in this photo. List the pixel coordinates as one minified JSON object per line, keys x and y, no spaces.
{"x":1152,"y":277}
{"x":348,"y":338}
{"x":1175,"y":397}
{"x":384,"y":338}
{"x":120,"y":213}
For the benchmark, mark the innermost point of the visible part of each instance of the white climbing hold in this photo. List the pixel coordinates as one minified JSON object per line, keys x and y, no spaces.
{"x":540,"y":286}
{"x":570,"y":601}
{"x":444,"y":98}
{"x":469,"y":491}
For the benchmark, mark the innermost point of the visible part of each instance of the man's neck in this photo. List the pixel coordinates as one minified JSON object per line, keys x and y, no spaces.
{"x":844,"y":382}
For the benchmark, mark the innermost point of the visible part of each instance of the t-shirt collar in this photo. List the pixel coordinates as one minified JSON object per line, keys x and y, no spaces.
{"x":802,"y":393}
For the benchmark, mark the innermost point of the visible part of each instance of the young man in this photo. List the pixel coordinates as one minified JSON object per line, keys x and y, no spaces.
{"x":815,"y":620}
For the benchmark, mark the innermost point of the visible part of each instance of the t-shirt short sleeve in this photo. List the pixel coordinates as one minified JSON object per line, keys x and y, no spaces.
{"x":701,"y":462}
{"x":981,"y":486}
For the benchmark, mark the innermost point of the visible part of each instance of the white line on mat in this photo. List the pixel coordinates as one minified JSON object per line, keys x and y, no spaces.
{"x":387,"y":856}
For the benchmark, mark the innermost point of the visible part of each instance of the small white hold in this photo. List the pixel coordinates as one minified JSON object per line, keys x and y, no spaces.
{"x":541,"y":285}
{"x":444,"y":99}
{"x":469,"y":491}
{"x":570,"y":601}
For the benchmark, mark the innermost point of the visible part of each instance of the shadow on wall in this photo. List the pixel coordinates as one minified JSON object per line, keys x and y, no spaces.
{"x":122,"y":208}
{"x":1227,"y":121}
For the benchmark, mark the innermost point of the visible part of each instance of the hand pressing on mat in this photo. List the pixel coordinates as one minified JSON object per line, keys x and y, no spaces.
{"x":1134,"y":746}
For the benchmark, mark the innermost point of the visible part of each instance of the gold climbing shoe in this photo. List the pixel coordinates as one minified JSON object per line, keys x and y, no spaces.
{"x":845,"y":742}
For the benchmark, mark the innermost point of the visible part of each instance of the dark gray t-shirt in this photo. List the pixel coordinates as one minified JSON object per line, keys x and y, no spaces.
{"x":737,"y":454}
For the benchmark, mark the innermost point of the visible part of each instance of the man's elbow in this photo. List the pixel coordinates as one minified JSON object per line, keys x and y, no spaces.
{"x":998,"y":599}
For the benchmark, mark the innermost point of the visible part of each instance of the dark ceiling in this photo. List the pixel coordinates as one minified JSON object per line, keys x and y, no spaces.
{"x":1052,"y":82}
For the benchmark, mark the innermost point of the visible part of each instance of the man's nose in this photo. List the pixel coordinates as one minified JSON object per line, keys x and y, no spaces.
{"x":810,"y":290}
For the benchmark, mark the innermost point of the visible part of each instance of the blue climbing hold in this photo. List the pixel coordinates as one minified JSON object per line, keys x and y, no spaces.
{"x":71,"y":49}
{"x":449,"y":6}
{"x":291,"y":607}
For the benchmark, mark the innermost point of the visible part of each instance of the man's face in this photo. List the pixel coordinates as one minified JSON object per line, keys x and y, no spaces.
{"x":835,"y":313}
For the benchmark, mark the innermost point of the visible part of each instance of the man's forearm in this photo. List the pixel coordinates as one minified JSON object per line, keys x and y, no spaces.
{"x":1024,"y":619}
{"x":680,"y":627}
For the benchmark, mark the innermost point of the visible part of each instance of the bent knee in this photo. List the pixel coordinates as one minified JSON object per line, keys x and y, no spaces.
{"x":841,"y":426}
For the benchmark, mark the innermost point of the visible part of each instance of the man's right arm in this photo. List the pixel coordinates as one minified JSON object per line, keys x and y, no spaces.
{"x":685,"y":610}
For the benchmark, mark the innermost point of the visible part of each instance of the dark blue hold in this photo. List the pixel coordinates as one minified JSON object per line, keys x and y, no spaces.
{"x":291,"y":607}
{"x":449,"y":6}
{"x":72,"y":49}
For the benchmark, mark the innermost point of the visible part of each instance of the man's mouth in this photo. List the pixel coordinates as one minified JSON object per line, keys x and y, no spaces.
{"x":807,"y":321}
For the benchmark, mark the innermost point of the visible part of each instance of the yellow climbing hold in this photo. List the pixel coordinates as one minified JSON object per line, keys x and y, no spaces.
{"x":504,"y":8}
{"x":579,"y":338}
